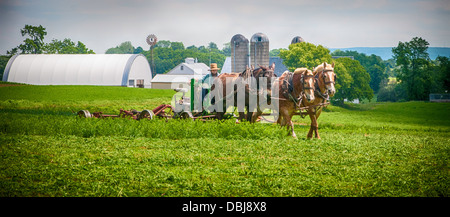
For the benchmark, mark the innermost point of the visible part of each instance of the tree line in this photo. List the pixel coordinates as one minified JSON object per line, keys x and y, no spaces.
{"x":34,"y":44}
{"x":409,"y":75}
{"x":352,"y":79}
{"x":167,"y":54}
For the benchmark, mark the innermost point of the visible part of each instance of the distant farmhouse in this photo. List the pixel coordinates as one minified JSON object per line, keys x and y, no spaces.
{"x":180,"y":75}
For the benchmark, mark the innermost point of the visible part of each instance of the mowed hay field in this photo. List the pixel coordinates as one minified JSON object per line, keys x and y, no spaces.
{"x":373,"y":149}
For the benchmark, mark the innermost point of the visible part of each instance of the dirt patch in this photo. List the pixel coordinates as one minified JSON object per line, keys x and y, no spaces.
{"x":7,"y":85}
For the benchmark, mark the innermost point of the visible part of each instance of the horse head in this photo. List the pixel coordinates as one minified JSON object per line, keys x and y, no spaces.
{"x":326,"y":78}
{"x":304,"y":83}
{"x":308,"y":83}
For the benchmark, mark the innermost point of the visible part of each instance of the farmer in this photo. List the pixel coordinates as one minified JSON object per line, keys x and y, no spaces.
{"x":208,"y":80}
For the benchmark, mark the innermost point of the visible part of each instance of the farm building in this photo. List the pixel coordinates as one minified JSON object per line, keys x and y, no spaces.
{"x":180,"y":75}
{"x":132,"y":70}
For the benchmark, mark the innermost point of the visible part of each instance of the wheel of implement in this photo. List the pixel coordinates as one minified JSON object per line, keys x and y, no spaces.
{"x":146,"y":114}
{"x":186,"y":115}
{"x":84,"y":114}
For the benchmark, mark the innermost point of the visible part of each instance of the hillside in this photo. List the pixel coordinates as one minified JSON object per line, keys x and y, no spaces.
{"x":386,"y":52}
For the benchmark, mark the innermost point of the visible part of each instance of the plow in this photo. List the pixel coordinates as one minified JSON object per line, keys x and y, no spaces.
{"x":183,"y":104}
{"x":162,"y":111}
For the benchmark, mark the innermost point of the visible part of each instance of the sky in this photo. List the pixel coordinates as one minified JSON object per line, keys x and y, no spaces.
{"x":102,"y":24}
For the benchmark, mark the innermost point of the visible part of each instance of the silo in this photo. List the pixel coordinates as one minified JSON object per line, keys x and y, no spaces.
{"x":259,"y":50}
{"x":239,"y":53}
{"x":297,"y":39}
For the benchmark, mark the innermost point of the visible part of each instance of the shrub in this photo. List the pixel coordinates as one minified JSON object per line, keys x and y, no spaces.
{"x":392,"y":93}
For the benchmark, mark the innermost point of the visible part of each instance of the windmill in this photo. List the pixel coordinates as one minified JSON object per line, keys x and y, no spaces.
{"x":151,"y":40}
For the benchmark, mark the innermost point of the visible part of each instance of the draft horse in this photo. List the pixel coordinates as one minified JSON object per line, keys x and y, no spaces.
{"x":324,"y":89}
{"x":242,"y":84}
{"x":294,"y":88}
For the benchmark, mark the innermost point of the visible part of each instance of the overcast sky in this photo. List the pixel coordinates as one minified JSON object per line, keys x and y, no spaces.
{"x":102,"y":24}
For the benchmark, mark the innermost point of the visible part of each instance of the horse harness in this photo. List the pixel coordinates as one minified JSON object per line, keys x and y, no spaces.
{"x":289,"y":91}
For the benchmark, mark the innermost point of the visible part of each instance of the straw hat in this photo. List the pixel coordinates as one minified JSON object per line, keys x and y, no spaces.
{"x":213,"y":67}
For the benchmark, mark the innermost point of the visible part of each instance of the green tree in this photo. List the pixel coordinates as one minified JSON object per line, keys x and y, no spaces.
{"x":414,"y":63}
{"x":352,"y":78}
{"x":304,"y":55}
{"x":192,"y":47}
{"x":126,"y":47}
{"x":34,"y":41}
{"x":168,"y":54}
{"x":138,"y":50}
{"x":177,"y":45}
{"x":82,"y":49}
{"x":441,"y":75}
{"x":163,"y":43}
{"x":67,"y":46}
{"x":355,"y":88}
{"x":123,"y":48}
{"x":392,"y":92}
{"x":212,"y":46}
{"x":226,"y":49}
{"x":373,"y":64}
{"x":275,"y":52}
{"x":3,"y":62}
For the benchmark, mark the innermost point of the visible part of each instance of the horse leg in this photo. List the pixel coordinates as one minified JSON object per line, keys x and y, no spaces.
{"x":280,"y":117}
{"x":291,"y":125}
{"x":241,"y":116}
{"x":220,"y":115}
{"x":312,"y":116}
{"x":287,"y":121}
{"x":316,"y":126}
{"x":316,"y":130}
{"x":249,"y":116}
{"x":256,"y":115}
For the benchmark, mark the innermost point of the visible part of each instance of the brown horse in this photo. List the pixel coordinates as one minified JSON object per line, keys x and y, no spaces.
{"x":246,"y":85}
{"x":223,"y":81}
{"x":263,"y":91}
{"x":293,"y":89}
{"x":325,"y":80}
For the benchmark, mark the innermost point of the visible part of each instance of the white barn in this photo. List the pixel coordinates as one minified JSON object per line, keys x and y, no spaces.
{"x":132,"y":70}
{"x":180,"y":75}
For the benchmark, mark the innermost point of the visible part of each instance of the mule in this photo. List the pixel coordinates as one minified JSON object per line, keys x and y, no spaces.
{"x":293,"y":89}
{"x":324,"y":89}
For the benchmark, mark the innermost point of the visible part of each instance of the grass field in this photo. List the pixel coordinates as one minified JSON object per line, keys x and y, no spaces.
{"x":373,"y":149}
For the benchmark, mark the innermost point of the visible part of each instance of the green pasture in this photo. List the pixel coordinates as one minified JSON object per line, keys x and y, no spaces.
{"x":371,"y":149}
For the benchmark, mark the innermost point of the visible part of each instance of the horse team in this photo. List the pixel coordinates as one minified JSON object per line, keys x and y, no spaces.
{"x":284,"y":95}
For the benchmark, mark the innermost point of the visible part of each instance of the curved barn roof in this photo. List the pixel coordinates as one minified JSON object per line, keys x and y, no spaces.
{"x":78,"y":69}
